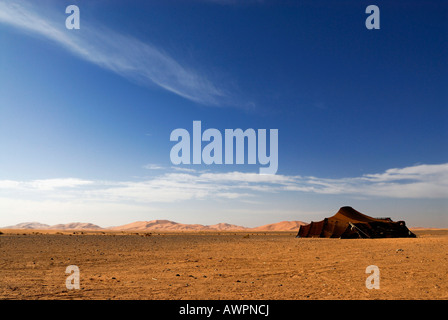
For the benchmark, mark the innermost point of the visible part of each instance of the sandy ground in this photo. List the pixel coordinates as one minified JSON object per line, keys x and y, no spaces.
{"x":226,"y":265}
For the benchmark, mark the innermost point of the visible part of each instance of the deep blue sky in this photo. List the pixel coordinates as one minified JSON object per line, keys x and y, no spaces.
{"x":347,"y":101}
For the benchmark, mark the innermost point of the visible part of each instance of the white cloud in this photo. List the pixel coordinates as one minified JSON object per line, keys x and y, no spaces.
{"x":124,"y":55}
{"x":183,"y":169}
{"x":52,"y":184}
{"x":151,"y":166}
{"x":421,"y":181}
{"x":43,"y":184}
{"x":71,"y":197}
{"x":417,"y":182}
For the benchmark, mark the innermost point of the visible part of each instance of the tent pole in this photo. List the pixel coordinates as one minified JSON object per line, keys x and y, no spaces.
{"x":357,"y":229}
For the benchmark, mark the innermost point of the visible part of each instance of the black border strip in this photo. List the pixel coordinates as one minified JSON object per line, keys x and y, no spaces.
{"x":172,"y":309}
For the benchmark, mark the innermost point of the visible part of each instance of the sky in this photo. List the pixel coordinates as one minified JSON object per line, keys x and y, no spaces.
{"x":86,"y":114}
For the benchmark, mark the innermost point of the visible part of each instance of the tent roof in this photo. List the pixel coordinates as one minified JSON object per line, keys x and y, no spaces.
{"x":348,"y":214}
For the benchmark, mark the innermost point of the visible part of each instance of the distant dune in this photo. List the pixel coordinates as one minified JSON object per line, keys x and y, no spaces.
{"x":67,"y":226}
{"x":226,"y":226}
{"x":281,"y":226}
{"x":426,"y":228}
{"x":160,"y":225}
{"x":166,"y":225}
{"x":76,"y":226}
{"x":29,"y":225}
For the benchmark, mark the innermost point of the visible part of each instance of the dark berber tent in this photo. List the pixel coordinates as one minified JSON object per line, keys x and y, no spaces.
{"x":348,"y":223}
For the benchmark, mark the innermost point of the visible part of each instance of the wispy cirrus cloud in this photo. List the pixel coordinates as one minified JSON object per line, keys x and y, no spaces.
{"x":127,"y":56}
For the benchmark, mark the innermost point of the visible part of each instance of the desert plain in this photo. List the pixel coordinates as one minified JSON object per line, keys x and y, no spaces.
{"x":240,"y":265}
